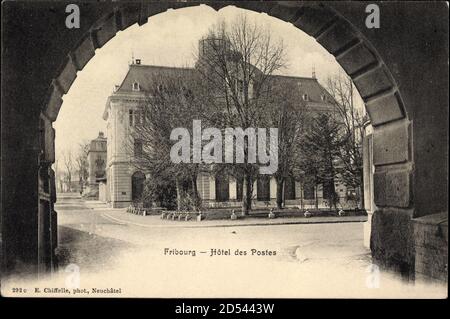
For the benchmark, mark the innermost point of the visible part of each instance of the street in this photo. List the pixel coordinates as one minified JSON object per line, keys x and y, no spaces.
{"x":286,"y":261}
{"x":86,"y":230}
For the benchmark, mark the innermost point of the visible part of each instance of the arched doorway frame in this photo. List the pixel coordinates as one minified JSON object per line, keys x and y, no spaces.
{"x":137,"y":177}
{"x":392,"y":127}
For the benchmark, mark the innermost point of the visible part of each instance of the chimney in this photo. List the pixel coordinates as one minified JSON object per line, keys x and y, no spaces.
{"x":138,"y":61}
{"x":101,"y":135}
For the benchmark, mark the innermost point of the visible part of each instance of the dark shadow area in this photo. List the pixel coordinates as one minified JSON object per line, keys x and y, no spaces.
{"x":87,"y":250}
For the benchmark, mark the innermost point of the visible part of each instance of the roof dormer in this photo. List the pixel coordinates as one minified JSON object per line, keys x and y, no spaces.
{"x":136,"y":86}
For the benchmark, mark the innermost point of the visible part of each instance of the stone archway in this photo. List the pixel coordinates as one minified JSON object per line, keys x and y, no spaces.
{"x":401,"y":167}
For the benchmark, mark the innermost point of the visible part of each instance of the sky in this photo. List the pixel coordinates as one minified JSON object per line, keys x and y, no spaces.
{"x":168,"y":39}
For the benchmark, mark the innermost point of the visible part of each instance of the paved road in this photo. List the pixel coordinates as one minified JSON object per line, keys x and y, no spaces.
{"x":316,"y":260}
{"x":78,"y":218}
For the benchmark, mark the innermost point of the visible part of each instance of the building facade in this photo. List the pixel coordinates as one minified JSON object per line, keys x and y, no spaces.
{"x":125,"y":182}
{"x":96,"y":158}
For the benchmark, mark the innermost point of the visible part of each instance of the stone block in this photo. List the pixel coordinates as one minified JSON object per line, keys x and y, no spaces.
{"x":391,"y":241}
{"x":338,"y":37}
{"x":49,"y":139}
{"x":379,"y":186}
{"x":54,"y":103}
{"x":431,"y":261}
{"x":129,"y":15}
{"x":392,"y":188}
{"x":312,"y":19}
{"x":431,"y":231}
{"x":84,"y":52}
{"x":106,"y":30}
{"x":67,"y":75}
{"x":398,"y":188}
{"x":391,"y":144}
{"x":356,"y":59}
{"x":384,"y":109}
{"x":151,"y":9}
{"x":284,"y":12}
{"x":50,"y":144}
{"x":373,"y":82}
{"x":257,"y":6}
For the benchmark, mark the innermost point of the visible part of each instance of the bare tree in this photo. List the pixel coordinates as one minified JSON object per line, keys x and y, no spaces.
{"x":321,"y":147}
{"x":81,"y":162}
{"x":170,"y":103}
{"x":287,"y":112}
{"x":235,"y":63}
{"x":341,"y":88}
{"x":69,"y":167}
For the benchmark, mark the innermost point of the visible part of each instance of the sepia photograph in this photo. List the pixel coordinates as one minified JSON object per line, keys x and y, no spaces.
{"x":224,"y":149}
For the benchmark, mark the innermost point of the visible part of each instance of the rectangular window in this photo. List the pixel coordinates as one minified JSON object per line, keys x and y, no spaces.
{"x":327,"y":190}
{"x":137,"y":117}
{"x":308,"y":191}
{"x":137,"y":148}
{"x":240,"y":87}
{"x":131,"y":117}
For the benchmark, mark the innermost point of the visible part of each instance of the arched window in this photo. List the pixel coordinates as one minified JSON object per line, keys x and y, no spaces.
{"x":305,"y":97}
{"x":137,"y":186}
{"x":222,"y":188}
{"x":289,"y":188}
{"x":136,"y":86}
{"x":263,"y":188}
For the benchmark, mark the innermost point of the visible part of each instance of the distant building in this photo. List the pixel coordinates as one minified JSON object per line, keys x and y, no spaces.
{"x":125,"y":182}
{"x":97,"y":166}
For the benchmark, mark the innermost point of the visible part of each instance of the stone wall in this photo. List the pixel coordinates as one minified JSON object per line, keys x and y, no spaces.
{"x":431,"y":247}
{"x":401,"y":76}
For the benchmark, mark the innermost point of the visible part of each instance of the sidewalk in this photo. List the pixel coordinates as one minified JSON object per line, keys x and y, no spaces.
{"x":122,"y":217}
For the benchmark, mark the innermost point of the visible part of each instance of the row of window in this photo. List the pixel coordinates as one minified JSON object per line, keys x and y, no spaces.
{"x":306,"y":97}
{"x":263,"y":189}
{"x":240,"y":89}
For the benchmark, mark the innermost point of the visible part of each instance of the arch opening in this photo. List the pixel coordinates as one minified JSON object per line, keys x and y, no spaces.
{"x":390,"y":131}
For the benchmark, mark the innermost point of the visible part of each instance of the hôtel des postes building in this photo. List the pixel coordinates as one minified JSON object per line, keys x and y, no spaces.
{"x":125,"y":182}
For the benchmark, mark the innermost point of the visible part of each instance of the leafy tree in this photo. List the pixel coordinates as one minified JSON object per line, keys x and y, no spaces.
{"x":321,"y":149}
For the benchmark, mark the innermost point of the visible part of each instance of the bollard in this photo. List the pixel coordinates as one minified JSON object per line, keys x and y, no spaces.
{"x":271,"y":214}
{"x":307,"y":214}
{"x":233,"y":215}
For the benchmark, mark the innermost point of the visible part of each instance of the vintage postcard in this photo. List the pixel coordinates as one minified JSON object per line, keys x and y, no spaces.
{"x":221,"y":149}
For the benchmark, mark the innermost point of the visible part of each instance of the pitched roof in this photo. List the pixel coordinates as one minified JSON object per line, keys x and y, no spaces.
{"x":145,"y":74}
{"x":309,"y":86}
